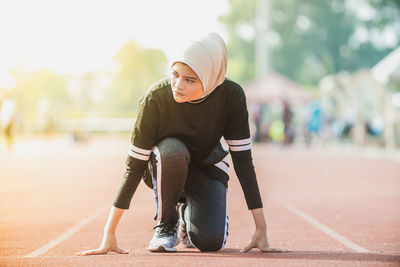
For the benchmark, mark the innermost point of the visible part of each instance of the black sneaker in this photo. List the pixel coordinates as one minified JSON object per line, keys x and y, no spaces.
{"x":164,"y":239}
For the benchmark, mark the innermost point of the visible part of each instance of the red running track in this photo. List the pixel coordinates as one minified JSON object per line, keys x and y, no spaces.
{"x":329,"y":208}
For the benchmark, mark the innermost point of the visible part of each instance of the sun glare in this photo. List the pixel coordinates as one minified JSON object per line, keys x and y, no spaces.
{"x":76,"y":36}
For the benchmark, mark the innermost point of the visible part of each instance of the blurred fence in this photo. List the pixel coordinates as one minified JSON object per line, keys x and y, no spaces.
{"x":98,"y":125}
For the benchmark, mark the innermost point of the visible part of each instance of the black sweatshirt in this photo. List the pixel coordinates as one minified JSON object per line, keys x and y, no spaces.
{"x":199,"y":126}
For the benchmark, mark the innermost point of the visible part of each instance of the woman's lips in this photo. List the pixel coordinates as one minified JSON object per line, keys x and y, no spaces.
{"x":178,"y":93}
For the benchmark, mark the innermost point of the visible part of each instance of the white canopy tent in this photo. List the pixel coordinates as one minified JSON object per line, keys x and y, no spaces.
{"x":272,"y":87}
{"x":389,"y":65}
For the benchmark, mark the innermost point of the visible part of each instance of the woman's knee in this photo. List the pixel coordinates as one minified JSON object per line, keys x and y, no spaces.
{"x":173,"y":149}
{"x":206,"y":241}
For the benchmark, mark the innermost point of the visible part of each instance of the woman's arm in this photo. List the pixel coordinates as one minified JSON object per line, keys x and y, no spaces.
{"x":109,"y":242}
{"x":260,"y":239}
{"x":113,"y":220}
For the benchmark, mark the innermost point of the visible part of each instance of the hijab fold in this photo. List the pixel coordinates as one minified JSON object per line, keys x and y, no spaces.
{"x":208,"y":58}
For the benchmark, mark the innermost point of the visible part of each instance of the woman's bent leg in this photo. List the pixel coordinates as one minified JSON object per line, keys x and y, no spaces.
{"x":170,"y":162}
{"x":206,"y":211}
{"x":169,"y":169}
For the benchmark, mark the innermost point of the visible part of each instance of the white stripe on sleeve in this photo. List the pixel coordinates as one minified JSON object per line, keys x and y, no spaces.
{"x":239,"y":145}
{"x":140,"y":150}
{"x":239,"y":142}
{"x":139,"y":153}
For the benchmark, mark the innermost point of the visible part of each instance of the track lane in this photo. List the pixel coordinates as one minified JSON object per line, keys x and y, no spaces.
{"x":338,"y":207}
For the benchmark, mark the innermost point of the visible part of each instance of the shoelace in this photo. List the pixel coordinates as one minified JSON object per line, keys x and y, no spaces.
{"x":166,"y":228}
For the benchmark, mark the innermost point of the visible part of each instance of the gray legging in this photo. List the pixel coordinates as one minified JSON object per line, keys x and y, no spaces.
{"x":173,"y":174}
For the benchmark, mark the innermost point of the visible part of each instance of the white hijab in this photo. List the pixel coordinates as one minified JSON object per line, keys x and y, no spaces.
{"x":208,"y":58}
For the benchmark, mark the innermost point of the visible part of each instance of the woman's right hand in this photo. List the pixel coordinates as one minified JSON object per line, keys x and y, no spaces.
{"x":109,"y":243}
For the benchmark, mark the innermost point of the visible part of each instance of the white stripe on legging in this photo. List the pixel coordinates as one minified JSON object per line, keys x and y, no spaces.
{"x":158,"y":179}
{"x":226,"y":220}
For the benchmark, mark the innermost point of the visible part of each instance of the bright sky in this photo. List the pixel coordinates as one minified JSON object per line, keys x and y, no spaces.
{"x":73,"y":36}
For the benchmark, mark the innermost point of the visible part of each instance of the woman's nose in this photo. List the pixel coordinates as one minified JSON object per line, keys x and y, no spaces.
{"x":179,"y":83}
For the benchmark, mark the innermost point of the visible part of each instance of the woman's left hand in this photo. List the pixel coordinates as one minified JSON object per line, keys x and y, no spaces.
{"x":260,"y":241}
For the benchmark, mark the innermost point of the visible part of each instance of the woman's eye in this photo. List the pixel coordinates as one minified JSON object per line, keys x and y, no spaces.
{"x":174,"y":74}
{"x":189,"y":81}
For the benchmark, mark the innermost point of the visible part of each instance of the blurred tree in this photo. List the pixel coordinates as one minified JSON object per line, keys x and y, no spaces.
{"x":44,"y":93}
{"x":138,"y":69}
{"x":308,"y":39}
{"x":240,"y":25}
{"x":383,"y":20}
{"x":387,"y":12}
{"x":87,"y":87}
{"x":41,"y":99}
{"x":40,"y":91}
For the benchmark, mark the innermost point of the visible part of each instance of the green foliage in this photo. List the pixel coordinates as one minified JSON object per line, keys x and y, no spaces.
{"x":43,"y":94}
{"x":313,"y":38}
{"x":138,"y":69}
{"x":394,"y":84}
{"x":240,"y":50}
{"x":41,"y":91}
{"x":388,"y":12}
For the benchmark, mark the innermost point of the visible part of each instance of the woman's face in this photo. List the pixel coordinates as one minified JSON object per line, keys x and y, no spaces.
{"x":186,"y":85}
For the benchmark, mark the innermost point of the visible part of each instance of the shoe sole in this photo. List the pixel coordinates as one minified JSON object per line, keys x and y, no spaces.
{"x":161,"y":249}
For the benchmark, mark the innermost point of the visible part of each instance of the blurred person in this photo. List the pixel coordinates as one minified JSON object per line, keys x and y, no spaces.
{"x":349,"y":123}
{"x":287,"y":118}
{"x":8,"y":115}
{"x":257,"y":118}
{"x":314,"y":122}
{"x":49,"y":124}
{"x":175,"y":149}
{"x":276,"y":131}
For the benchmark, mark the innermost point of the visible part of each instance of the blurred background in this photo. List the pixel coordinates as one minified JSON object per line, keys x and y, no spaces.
{"x":314,"y":72}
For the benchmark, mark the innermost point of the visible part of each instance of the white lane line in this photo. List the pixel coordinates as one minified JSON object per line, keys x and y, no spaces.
{"x":345,"y":241}
{"x":64,"y":236}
